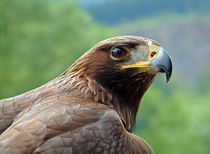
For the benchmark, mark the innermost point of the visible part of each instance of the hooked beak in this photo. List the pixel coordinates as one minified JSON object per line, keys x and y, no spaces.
{"x":160,"y":62}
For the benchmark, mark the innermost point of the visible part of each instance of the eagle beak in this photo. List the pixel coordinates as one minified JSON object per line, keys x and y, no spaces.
{"x":158,"y":61}
{"x":162,"y":63}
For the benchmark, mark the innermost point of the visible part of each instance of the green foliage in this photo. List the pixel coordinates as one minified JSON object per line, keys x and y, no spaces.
{"x":40,"y":39}
{"x":174,"y":120}
{"x":204,"y":84}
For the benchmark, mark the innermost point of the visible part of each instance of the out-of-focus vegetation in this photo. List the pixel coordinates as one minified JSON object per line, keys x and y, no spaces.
{"x":175,"y":119}
{"x":40,"y":39}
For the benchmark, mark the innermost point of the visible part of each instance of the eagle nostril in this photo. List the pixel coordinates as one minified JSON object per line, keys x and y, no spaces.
{"x":153,"y":53}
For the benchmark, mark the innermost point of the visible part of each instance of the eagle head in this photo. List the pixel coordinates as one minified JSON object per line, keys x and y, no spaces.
{"x":119,"y":70}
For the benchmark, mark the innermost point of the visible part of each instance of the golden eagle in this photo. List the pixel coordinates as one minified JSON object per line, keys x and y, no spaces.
{"x":91,"y":107}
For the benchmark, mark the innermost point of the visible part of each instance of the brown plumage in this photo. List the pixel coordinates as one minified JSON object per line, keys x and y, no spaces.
{"x":91,"y":107}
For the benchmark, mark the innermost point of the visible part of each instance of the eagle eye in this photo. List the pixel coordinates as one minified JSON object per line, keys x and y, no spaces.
{"x":118,"y":53}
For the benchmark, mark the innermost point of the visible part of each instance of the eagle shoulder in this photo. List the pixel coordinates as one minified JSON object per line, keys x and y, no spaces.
{"x":63,"y":124}
{"x":106,"y":134}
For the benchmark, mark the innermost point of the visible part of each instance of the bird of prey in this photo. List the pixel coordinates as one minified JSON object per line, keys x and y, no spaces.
{"x":91,"y":107}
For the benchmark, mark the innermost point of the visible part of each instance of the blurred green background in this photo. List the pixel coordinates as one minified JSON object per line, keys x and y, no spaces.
{"x":39,"y":39}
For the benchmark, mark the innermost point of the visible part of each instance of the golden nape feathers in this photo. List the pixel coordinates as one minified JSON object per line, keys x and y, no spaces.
{"x":91,"y":107}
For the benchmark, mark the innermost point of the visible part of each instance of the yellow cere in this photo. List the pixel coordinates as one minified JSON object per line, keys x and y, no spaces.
{"x":153,"y":51}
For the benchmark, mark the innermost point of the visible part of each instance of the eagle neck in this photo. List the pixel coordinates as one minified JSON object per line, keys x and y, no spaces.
{"x":121,"y":90}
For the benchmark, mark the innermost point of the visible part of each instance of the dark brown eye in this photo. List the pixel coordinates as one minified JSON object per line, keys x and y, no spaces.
{"x":118,"y":53}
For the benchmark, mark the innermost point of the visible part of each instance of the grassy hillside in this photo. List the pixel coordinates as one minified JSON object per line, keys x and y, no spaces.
{"x":159,"y":19}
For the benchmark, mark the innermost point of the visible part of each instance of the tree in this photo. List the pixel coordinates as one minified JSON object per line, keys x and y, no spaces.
{"x":40,"y":39}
